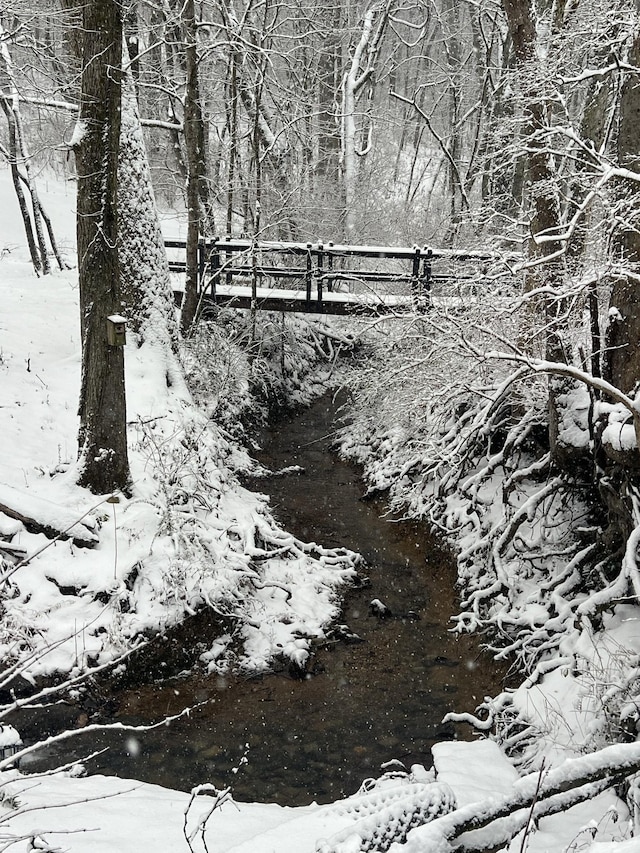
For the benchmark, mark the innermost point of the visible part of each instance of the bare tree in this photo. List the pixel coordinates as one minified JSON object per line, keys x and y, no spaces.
{"x":18,"y":157}
{"x":359,"y":78}
{"x":194,"y":137}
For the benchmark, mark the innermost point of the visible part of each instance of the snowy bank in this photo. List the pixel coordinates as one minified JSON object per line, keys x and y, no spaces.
{"x":190,"y":536}
{"x":109,"y":814}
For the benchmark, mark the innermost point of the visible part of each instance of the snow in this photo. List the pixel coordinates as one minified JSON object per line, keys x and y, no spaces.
{"x":573,"y":408}
{"x":58,"y":601}
{"x":79,"y":132}
{"x":9,"y":736}
{"x":109,"y":814}
{"x":50,"y":515}
{"x":620,"y":437}
{"x":491,"y":771}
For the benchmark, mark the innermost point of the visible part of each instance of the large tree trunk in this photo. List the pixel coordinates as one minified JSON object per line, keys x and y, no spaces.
{"x":545,"y":324}
{"x":539,"y":167}
{"x":364,"y":54}
{"x":622,"y":360}
{"x":103,"y":464}
{"x":145,"y":284}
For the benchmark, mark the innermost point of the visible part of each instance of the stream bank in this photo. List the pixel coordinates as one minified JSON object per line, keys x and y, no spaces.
{"x":379,"y":695}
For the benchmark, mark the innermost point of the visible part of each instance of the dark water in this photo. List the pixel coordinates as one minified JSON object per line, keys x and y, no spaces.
{"x":364,"y":704}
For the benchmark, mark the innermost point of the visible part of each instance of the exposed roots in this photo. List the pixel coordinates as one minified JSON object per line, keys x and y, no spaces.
{"x":538,"y":571}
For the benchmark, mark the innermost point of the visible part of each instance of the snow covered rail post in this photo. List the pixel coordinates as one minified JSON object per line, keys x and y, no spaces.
{"x":421,"y":282}
{"x":285,"y":273}
{"x":308,"y":278}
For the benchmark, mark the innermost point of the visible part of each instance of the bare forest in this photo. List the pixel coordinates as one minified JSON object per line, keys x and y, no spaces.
{"x":503,"y":138}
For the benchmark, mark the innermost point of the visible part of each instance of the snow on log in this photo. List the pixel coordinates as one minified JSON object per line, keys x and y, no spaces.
{"x":536,"y":794}
{"x":12,"y":551}
{"x":42,"y":516}
{"x":386,"y":816}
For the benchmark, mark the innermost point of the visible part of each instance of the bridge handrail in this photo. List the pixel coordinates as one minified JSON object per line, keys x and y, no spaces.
{"x":223,"y":259}
{"x":241,"y":244}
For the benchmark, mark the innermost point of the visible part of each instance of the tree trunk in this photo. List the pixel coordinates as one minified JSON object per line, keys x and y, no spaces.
{"x":194,"y":140}
{"x":17,"y":186}
{"x":545,"y":313}
{"x":453,"y":52}
{"x":10,"y":106}
{"x":145,"y":284}
{"x":354,"y":79}
{"x":622,"y":358}
{"x":539,"y":168}
{"x":232,"y":124}
{"x":329,"y":62}
{"x":103,"y":459}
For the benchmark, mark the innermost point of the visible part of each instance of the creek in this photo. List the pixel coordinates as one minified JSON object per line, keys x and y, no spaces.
{"x":363,"y":704}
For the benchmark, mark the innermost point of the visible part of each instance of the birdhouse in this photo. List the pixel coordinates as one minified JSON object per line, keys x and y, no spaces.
{"x":116,"y":330}
{"x":10,"y":741}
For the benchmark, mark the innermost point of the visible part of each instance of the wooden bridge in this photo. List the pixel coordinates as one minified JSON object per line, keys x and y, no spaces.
{"x":322,"y":278}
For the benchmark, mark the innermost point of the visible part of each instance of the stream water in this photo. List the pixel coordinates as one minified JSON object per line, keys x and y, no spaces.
{"x":365,"y":703}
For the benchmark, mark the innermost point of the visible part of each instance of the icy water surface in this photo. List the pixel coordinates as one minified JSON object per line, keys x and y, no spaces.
{"x":365,"y":704}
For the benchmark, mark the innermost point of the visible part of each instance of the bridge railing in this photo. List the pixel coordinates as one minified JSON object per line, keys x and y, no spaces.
{"x":320,"y":268}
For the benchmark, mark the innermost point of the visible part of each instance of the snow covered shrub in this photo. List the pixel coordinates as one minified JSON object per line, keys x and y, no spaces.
{"x":216,"y":545}
{"x":240,"y":366}
{"x":217,"y":372}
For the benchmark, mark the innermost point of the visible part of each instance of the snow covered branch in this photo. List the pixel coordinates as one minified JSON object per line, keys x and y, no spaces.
{"x":574,"y":780}
{"x":557,"y":368}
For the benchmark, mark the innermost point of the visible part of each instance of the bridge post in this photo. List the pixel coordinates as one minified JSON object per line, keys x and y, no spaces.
{"x":330,"y":267}
{"x":415,"y":276}
{"x":229,"y":251}
{"x":319,"y":271}
{"x":426,"y":278}
{"x":202,"y":260}
{"x":308,"y":274}
{"x":214,"y":266}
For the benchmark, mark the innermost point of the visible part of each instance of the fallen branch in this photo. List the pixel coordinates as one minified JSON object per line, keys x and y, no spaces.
{"x":42,"y":516}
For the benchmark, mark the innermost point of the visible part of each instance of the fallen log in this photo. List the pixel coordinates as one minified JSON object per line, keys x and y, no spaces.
{"x":534,"y":795}
{"x":13,"y":551}
{"x":43,"y":516}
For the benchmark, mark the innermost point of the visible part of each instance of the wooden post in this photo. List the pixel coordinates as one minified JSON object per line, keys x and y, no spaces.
{"x":308,"y":273}
{"x":330,"y":266}
{"x":229,"y":276}
{"x":425,"y":281}
{"x":319,"y":271}
{"x":214,"y":266}
{"x":415,"y":276}
{"x":254,"y":277}
{"x":202,"y":261}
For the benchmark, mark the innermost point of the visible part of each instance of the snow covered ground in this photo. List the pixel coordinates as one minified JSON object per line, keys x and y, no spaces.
{"x":104,"y":814}
{"x":69,"y":605}
{"x":160,"y":555}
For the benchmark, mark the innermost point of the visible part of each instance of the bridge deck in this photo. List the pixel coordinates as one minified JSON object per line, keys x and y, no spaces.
{"x":283,"y":299}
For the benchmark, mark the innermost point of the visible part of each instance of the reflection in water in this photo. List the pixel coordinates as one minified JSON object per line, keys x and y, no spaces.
{"x":365,"y":703}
